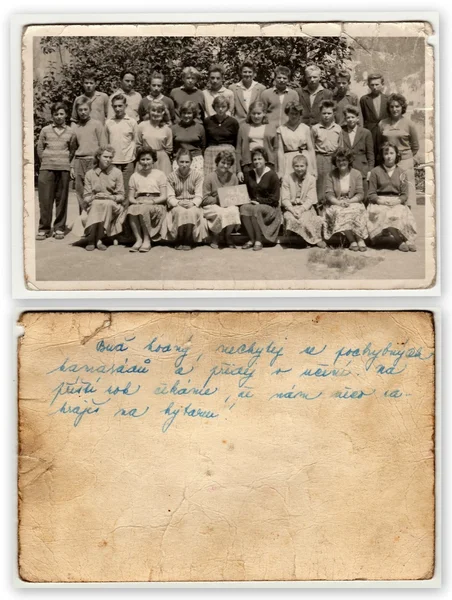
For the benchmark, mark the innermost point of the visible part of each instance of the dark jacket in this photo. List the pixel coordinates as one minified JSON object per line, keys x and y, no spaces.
{"x":363,"y":149}
{"x":311,"y":114}
{"x":370,"y":118}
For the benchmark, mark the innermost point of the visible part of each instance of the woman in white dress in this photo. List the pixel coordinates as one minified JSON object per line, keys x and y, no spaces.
{"x":294,"y":139}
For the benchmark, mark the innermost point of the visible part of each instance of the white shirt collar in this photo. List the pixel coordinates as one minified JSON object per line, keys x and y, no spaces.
{"x":266,"y":170}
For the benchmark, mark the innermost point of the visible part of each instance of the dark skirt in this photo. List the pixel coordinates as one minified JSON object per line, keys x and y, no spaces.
{"x":269,"y":219}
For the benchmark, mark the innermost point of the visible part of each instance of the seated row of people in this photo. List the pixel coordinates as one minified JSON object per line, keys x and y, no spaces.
{"x":184,"y":208}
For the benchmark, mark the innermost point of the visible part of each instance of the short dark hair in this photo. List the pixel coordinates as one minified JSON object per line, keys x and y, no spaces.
{"x":351,"y":109}
{"x":216,"y":68}
{"x":386,"y":145}
{"x":283,"y":71}
{"x":146,"y":150}
{"x":248,"y":64}
{"x":344,"y":75}
{"x":89,"y":74}
{"x":343,"y":153}
{"x":327,"y":104}
{"x":58,"y":106}
{"x":375,"y":76}
{"x":120,"y":97}
{"x":189,"y":106}
{"x":400,"y":99}
{"x":259,"y":150}
{"x":225,"y":155}
{"x":294,"y":106}
{"x":125,"y":72}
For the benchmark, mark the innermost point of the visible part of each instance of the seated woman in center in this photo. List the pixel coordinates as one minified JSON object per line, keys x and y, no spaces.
{"x":298,"y":198}
{"x":388,"y":196}
{"x":147,"y":200}
{"x":220,"y":218}
{"x":344,"y":194}
{"x":103,"y":196}
{"x":262,"y":218}
{"x":185,"y":223}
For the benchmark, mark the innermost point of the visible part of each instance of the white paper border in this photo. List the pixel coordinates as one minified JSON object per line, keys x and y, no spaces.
{"x":22,"y":292}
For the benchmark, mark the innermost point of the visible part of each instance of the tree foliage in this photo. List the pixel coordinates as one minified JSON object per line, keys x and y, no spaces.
{"x":107,"y":56}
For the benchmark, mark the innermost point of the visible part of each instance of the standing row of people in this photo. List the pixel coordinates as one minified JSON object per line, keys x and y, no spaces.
{"x":312,"y":121}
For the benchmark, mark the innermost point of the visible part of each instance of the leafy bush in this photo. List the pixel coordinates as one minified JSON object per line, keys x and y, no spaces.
{"x":107,"y":56}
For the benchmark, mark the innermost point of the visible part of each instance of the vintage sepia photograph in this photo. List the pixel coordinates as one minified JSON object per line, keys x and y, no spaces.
{"x":291,"y":156}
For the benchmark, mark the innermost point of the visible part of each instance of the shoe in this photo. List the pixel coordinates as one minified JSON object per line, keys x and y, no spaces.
{"x":90,"y":247}
{"x":412,"y":247}
{"x":362,"y":247}
{"x":353,"y":247}
{"x":258,"y":246}
{"x":321,"y":244}
{"x":134,"y":248}
{"x":144,"y":249}
{"x":42,"y":235}
{"x":214,"y":245}
{"x":248,"y":245}
{"x":179,"y":247}
{"x":186,"y":248}
{"x":58,"y":235}
{"x":403,"y":247}
{"x":101,"y":246}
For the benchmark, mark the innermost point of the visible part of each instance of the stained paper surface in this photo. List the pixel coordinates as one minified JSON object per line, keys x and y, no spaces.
{"x":226,"y":446}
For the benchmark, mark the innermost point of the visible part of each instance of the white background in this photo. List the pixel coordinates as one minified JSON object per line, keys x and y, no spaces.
{"x":8,"y":449}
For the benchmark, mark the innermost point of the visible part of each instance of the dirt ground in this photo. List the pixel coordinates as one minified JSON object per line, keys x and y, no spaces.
{"x":60,"y":261}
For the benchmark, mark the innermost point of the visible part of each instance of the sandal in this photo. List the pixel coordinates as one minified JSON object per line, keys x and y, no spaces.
{"x":248,"y":245}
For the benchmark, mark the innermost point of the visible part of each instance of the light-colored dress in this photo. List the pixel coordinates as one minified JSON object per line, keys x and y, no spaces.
{"x":145,"y":187}
{"x":301,"y":193}
{"x":389,"y":184}
{"x":339,"y":219}
{"x":108,"y":210}
{"x":403,"y":134}
{"x":159,"y":139}
{"x":218,"y":217}
{"x":184,"y":188}
{"x":295,"y":142}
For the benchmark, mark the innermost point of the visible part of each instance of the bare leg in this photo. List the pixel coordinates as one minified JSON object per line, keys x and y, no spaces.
{"x":351,"y":240}
{"x":146,"y":245}
{"x":136,"y":229}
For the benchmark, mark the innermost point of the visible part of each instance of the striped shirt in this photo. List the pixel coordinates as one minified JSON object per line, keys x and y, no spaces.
{"x":55,"y":148}
{"x":185,"y":188}
{"x":90,"y":136}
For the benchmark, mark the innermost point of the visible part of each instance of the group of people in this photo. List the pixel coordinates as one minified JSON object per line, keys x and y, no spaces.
{"x":320,"y":162}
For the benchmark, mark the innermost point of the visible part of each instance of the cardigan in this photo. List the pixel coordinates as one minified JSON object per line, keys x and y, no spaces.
{"x":273,"y":105}
{"x":402,"y":133}
{"x":381,"y":184}
{"x":191,"y":138}
{"x":243,"y":146}
{"x":221,"y":133}
{"x":267,"y":191}
{"x":333,"y":185}
{"x":211,"y":186}
{"x":296,"y":192}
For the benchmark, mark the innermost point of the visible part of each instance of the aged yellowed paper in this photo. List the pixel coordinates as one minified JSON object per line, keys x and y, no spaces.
{"x":226,"y":446}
